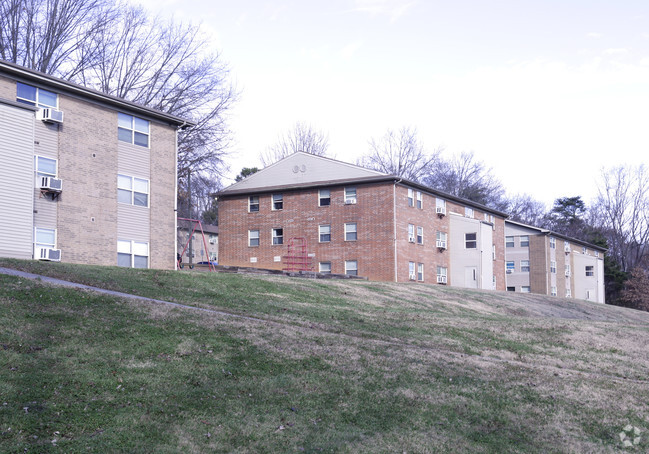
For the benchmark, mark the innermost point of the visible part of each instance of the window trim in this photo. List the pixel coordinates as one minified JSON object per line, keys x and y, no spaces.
{"x":467,"y":240}
{"x":132,"y":253}
{"x":40,"y":244}
{"x":420,"y":235}
{"x":419,"y":200}
{"x":524,"y":242}
{"x":251,"y":204}
{"x":525,"y":266}
{"x":250,"y":238}
{"x":349,"y":231}
{"x":348,"y":269}
{"x":320,"y":270}
{"x":349,"y":198}
{"x":590,"y":269}
{"x":133,"y":191}
{"x":510,"y":269}
{"x":411,"y":197}
{"x":420,"y":272}
{"x":320,"y":240}
{"x":37,"y":158}
{"x":279,"y":238}
{"x":274,"y":202}
{"x":509,"y":241}
{"x":321,"y":198}
{"x":36,"y":102}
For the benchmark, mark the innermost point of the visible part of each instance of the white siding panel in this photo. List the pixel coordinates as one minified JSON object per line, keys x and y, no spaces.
{"x":44,"y":210}
{"x":486,"y":253}
{"x":16,"y":182}
{"x":462,"y":258}
{"x":133,"y":160}
{"x":133,"y":223}
{"x":46,"y":139}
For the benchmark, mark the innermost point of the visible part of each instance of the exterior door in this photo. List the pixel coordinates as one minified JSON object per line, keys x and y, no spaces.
{"x":471,"y":277}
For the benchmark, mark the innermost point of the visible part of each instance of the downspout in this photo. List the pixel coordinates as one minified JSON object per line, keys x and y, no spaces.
{"x":394,"y":226}
{"x":176,"y":199}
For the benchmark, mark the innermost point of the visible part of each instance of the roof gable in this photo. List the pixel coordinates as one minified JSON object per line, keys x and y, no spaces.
{"x":302,"y":169}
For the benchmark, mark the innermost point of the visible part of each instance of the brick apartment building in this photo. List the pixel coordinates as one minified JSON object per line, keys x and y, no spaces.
{"x":86,"y":177}
{"x":545,"y":262}
{"x":360,"y":222}
{"x":198,"y":251}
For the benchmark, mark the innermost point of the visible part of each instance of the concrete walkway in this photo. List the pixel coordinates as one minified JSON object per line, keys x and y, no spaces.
{"x":62,"y":283}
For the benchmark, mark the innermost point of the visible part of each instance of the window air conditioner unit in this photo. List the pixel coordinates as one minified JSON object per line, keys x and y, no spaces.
{"x":51,"y":184}
{"x":350,"y":201}
{"x":212,"y":241}
{"x":411,"y":239}
{"x":441,"y":279}
{"x":567,"y":273}
{"x":567,"y":249}
{"x":45,"y":253}
{"x":510,"y":271}
{"x":49,"y":115}
{"x":413,"y":277}
{"x":440,"y":210}
{"x":441,"y":244}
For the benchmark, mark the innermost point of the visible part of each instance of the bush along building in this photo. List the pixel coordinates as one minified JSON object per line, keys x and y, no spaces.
{"x":87,"y":178}
{"x":314,"y":213}
{"x":541,"y":261}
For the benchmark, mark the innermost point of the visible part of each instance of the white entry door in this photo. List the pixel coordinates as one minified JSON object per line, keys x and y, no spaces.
{"x":471,"y":277}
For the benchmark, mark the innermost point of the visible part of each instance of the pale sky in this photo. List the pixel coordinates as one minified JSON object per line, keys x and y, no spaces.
{"x":545,"y":92}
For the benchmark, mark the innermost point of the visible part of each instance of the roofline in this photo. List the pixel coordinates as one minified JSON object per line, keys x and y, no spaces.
{"x":558,"y":235}
{"x":372,"y":179}
{"x":51,"y":81}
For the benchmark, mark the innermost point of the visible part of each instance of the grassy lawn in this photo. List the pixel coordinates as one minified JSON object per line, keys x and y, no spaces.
{"x":317,"y":366}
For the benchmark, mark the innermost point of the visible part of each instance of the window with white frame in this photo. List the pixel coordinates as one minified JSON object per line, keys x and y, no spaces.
{"x":493,"y":252}
{"x":132,"y":254}
{"x":509,"y":241}
{"x":442,"y":273}
{"x":324,"y":232}
{"x":278,"y":236}
{"x":420,"y":235}
{"x":411,"y":197}
{"x":509,"y":266}
{"x":412,"y":275}
{"x":133,"y":130}
{"x":277,"y":202}
{"x":411,"y":233}
{"x":253,"y":238}
{"x":34,"y":96}
{"x":553,"y":242}
{"x":553,"y":291}
{"x":132,"y":191}
{"x":440,"y":240}
{"x":420,"y":203}
{"x":468,"y":212}
{"x":567,"y":269}
{"x":471,"y":240}
{"x":568,"y":293}
{"x":253,"y":204}
{"x":351,"y":267}
{"x":45,"y":167}
{"x":525,"y":241}
{"x":324,"y":197}
{"x":590,"y":271}
{"x":350,"y":195}
{"x":440,"y":204}
{"x":583,"y":250}
{"x":324,"y":267}
{"x":420,"y":272}
{"x":526,"y":289}
{"x":525,"y":266}
{"x":596,"y":253}
{"x":45,"y":238}
{"x":553,"y":266}
{"x":350,"y":231}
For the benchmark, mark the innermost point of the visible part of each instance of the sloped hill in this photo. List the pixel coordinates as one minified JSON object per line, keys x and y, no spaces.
{"x":284,"y":364}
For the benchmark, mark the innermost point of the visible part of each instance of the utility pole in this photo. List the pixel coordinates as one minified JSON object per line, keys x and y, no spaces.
{"x":189,"y":203}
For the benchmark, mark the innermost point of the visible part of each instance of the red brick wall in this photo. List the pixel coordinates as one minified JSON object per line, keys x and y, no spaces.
{"x":300,"y":217}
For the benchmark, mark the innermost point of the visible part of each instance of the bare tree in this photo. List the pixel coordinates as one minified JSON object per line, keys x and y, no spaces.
{"x":464,"y":176}
{"x":302,"y":137}
{"x":400,"y":153}
{"x":523,"y":208}
{"x":621,"y":212}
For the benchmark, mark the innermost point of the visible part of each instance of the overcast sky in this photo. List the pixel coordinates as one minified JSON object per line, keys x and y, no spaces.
{"x":546,"y":92}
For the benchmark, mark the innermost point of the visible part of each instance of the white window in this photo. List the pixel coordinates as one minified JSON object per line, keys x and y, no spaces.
{"x":132,"y":254}
{"x":325,"y":233}
{"x":278,"y":236}
{"x":493,"y":252}
{"x":35,"y":96}
{"x":553,"y":291}
{"x":583,"y":250}
{"x":440,"y":205}
{"x":350,"y":232}
{"x":596,"y":253}
{"x":440,"y":240}
{"x":509,"y":267}
{"x":525,"y":266}
{"x":278,"y":202}
{"x":566,"y":246}
{"x":412,"y":275}
{"x":45,"y":238}
{"x":351,"y":267}
{"x":350,"y":195}
{"x":420,"y":235}
{"x":509,"y":241}
{"x":420,"y":272}
{"x":411,"y":197}
{"x":253,"y":238}
{"x":526,"y":289}
{"x":324,"y":267}
{"x":525,"y":240}
{"x":567,"y":270}
{"x":324,"y":197}
{"x":471,"y":240}
{"x":45,"y":167}
{"x":411,"y":233}
{"x":253,"y":203}
{"x":132,"y":191}
{"x":553,"y":266}
{"x":442,"y":273}
{"x":553,"y":243}
{"x":590,"y":271}
{"x":420,"y":203}
{"x":132,"y":130}
{"x":468,"y":212}
{"x":568,"y":293}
